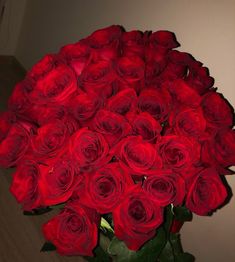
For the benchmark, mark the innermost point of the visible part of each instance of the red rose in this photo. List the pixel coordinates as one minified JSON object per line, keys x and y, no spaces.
{"x":123,"y":102}
{"x":59,"y":180}
{"x":138,"y":156}
{"x":165,"y":187}
{"x":189,"y":122}
{"x":105,"y":188}
{"x":14,"y":146}
{"x":178,"y":152}
{"x":74,"y":231}
{"x":77,"y":55}
{"x":131,"y":72}
{"x":183,"y":93}
{"x":162,"y":38}
{"x":133,"y":43}
{"x":136,"y":218}
{"x":84,"y":106}
{"x":25,"y":185}
{"x":206,"y":192}
{"x":113,"y":126}
{"x":89,"y":148}
{"x":156,"y":102}
{"x":7,"y":119}
{"x":98,"y":77}
{"x":50,"y":139}
{"x":216,"y":110}
{"x":146,"y":126}
{"x":55,"y":82}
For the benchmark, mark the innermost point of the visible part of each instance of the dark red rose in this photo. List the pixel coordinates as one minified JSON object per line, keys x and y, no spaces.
{"x":25,"y":185}
{"x":145,"y":125}
{"x":183,"y":93}
{"x":123,"y":102}
{"x":156,"y":102}
{"x":77,"y":55}
{"x":198,"y":78}
{"x":189,"y":122}
{"x":137,"y":155}
{"x":206,"y":192}
{"x":55,"y":82}
{"x":178,"y":152}
{"x":133,"y":43}
{"x":89,"y":149}
{"x":50,"y":139}
{"x":131,"y":72}
{"x":136,"y":218}
{"x":217,"y":110}
{"x":74,"y":231}
{"x":84,"y":106}
{"x":58,"y":180}
{"x":165,"y":187}
{"x":113,"y":126}
{"x":15,"y":144}
{"x":105,"y":188}
{"x":98,"y":77}
{"x":162,"y":38}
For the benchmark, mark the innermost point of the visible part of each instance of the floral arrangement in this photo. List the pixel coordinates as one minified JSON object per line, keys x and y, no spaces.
{"x":126,"y":137}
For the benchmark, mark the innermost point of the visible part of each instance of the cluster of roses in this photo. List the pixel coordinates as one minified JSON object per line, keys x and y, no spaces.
{"x":118,"y":123}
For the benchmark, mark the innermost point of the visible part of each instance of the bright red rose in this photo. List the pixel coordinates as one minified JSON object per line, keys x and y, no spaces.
{"x":25,"y":185}
{"x":55,"y":82}
{"x":206,"y":192}
{"x":165,"y":187}
{"x":133,"y":43}
{"x":89,"y":149}
{"x":131,"y":72}
{"x":123,"y":102}
{"x":216,"y":110}
{"x":58,"y":180}
{"x":77,"y":55}
{"x":50,"y":139}
{"x":15,"y":145}
{"x":136,"y":218}
{"x":178,"y":152}
{"x":189,"y":122}
{"x":74,"y":231}
{"x":137,"y":155}
{"x":84,"y":106}
{"x":157,"y":102}
{"x":106,"y":188}
{"x":98,"y":77}
{"x":113,"y":126}
{"x":145,"y":125}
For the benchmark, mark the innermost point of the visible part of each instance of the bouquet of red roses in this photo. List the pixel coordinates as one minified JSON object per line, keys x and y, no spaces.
{"x":126,"y":136}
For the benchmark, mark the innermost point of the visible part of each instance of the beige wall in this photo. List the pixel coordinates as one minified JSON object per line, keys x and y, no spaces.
{"x":205,"y":28}
{"x":11,"y":25}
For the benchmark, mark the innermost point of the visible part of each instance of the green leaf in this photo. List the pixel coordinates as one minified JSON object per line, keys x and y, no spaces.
{"x":168,"y":218}
{"x":149,"y":251}
{"x":167,"y":254}
{"x":48,"y":246}
{"x":185,"y":257}
{"x":182,"y":214}
{"x":36,"y":212}
{"x":105,"y":224}
{"x":99,"y":256}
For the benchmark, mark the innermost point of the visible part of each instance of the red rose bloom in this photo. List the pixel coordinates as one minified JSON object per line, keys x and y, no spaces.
{"x":74,"y":231}
{"x":25,"y":185}
{"x":162,"y":38}
{"x":165,"y":187}
{"x":89,"y":148}
{"x":136,"y":218}
{"x":105,"y":188}
{"x":7,"y":119}
{"x":206,"y":192}
{"x":113,"y":126}
{"x":138,"y":156}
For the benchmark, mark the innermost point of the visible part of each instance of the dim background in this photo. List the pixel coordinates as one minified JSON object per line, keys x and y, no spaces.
{"x":205,"y":28}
